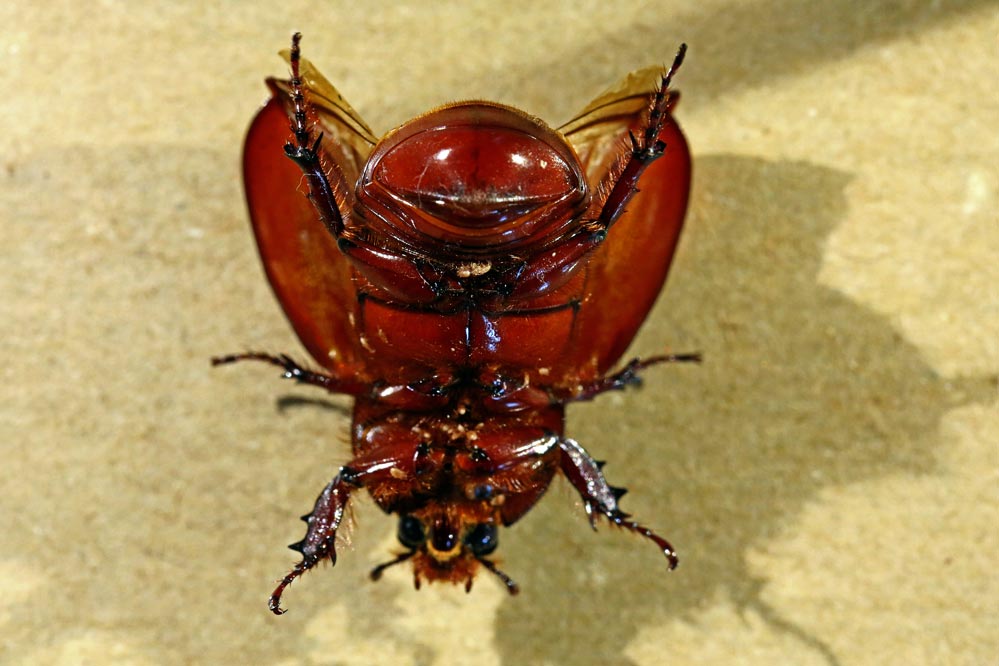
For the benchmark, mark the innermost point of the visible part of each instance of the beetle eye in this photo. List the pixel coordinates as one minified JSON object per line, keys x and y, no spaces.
{"x":483,"y":492}
{"x":482,"y":539}
{"x":411,"y":533}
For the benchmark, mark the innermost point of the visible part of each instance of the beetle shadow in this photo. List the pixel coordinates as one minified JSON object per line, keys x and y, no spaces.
{"x":801,"y":389}
{"x":736,"y":45}
{"x":288,"y":402}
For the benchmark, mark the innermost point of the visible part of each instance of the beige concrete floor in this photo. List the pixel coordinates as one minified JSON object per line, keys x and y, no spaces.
{"x":830,"y":474}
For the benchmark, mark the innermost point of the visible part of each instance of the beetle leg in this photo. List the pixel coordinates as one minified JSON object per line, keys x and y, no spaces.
{"x":324,"y":519}
{"x":320,"y":540}
{"x":627,"y":376}
{"x":495,"y":451}
{"x":552,"y":268}
{"x":327,"y":197}
{"x":395,"y":274}
{"x":646,"y":148}
{"x":292,"y":370}
{"x":329,"y":192}
{"x":584,"y":474}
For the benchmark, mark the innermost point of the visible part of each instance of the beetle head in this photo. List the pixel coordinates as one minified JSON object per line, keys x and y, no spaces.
{"x":472,"y":177}
{"x":447,"y":546}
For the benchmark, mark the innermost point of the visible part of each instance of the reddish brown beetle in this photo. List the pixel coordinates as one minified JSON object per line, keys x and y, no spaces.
{"x":464,"y":278}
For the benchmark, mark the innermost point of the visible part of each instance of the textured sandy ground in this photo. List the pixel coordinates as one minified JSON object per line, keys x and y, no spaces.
{"x":830,"y":474}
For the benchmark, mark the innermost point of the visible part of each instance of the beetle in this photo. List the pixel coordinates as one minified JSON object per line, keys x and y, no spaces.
{"x":464,"y":278}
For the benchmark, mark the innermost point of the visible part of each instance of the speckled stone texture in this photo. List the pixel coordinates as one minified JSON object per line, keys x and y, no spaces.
{"x":830,"y":474}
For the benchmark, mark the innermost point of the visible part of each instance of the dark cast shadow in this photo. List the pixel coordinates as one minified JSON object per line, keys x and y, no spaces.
{"x":801,"y":389}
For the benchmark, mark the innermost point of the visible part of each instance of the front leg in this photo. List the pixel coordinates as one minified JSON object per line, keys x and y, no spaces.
{"x":584,"y":474}
{"x":379,"y":465}
{"x":320,"y":539}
